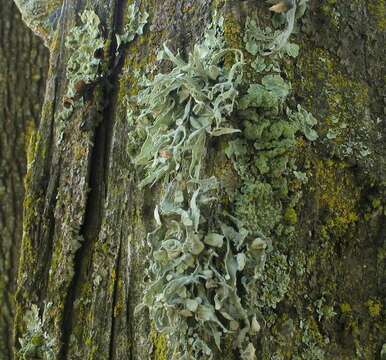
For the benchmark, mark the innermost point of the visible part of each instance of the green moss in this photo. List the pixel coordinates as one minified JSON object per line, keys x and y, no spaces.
{"x":377,"y":8}
{"x":290,"y":216}
{"x":30,"y":141}
{"x":328,"y":8}
{"x":374,"y":307}
{"x":345,"y":308}
{"x":344,"y":102}
{"x":338,"y":195}
{"x":233,"y":31}
{"x":160,"y":349}
{"x":376,"y":203}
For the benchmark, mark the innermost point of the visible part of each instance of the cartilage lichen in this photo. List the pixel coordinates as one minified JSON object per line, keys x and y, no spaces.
{"x":194,"y":264}
{"x":209,"y":278}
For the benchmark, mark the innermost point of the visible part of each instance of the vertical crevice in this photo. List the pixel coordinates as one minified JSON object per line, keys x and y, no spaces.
{"x":89,"y":232}
{"x":116,"y":67}
{"x":97,"y":183}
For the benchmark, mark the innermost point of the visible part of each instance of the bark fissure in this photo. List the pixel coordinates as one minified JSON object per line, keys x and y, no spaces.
{"x":89,"y":231}
{"x":97,"y":180}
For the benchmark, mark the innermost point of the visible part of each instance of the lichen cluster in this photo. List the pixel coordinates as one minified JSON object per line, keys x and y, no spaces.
{"x":280,"y":38}
{"x":195,"y":263}
{"x":134,"y":25}
{"x":83,"y":43}
{"x":36,"y":342}
{"x":263,"y":158}
{"x":209,"y":275}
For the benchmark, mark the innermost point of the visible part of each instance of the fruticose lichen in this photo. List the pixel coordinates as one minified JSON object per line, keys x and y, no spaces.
{"x":208,"y":272}
{"x":36,"y":342}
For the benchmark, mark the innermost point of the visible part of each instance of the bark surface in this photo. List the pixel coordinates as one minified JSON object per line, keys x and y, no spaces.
{"x":85,"y":219}
{"x":23,"y":65}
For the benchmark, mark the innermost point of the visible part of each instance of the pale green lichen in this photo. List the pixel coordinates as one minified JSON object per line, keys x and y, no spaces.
{"x":134,"y":25}
{"x":210,"y":278}
{"x":325,"y":311}
{"x":36,"y":343}
{"x":268,"y":42}
{"x":311,"y":343}
{"x":194,"y":264}
{"x":83,"y":43}
{"x":281,"y":38}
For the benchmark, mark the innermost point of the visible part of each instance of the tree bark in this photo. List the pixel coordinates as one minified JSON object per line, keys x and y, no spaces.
{"x":23,"y":64}
{"x":83,"y":254}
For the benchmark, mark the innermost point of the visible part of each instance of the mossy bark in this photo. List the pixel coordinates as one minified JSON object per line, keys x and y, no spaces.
{"x":85,"y":220}
{"x":23,"y":65}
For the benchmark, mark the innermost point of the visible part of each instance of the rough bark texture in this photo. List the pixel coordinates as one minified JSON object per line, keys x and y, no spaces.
{"x":23,"y":65}
{"x":85,"y":220}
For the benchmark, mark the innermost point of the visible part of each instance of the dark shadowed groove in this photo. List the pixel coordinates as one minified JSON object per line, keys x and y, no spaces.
{"x":110,"y":115}
{"x":97,"y":183}
{"x":89,"y":229}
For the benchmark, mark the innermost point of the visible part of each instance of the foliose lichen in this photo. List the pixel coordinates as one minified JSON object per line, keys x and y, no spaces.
{"x":85,"y":45}
{"x":134,"y":25}
{"x":194,"y":263}
{"x":273,"y":43}
{"x":83,"y":42}
{"x":207,"y":265}
{"x":262,"y":156}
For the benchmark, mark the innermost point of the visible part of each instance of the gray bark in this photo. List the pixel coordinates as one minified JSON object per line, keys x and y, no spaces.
{"x":85,"y":221}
